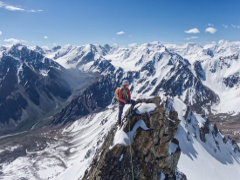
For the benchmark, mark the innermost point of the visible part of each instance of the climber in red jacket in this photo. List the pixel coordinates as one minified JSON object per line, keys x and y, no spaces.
{"x":124,"y":98}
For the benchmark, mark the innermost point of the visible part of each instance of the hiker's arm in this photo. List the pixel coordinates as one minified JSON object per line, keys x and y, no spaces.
{"x":120,"y":96}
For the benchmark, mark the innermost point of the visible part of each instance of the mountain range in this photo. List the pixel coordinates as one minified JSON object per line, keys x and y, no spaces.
{"x":76,"y":84}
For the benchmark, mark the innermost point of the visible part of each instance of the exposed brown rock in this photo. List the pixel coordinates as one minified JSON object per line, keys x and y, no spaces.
{"x":204,"y":130}
{"x":150,"y":149}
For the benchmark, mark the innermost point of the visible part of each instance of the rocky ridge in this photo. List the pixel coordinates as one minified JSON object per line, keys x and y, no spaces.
{"x":155,"y":151}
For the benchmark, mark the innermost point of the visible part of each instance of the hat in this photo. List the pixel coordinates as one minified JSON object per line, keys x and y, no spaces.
{"x":125,"y":82}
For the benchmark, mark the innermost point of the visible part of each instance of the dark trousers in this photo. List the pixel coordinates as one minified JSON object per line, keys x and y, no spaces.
{"x":121,"y":106}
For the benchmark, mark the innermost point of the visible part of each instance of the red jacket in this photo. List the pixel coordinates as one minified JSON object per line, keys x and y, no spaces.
{"x":121,"y":94}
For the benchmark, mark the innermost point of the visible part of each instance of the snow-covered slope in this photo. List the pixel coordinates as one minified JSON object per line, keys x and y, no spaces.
{"x":219,"y":65}
{"x":74,"y":56}
{"x":206,"y":154}
{"x":56,"y":154}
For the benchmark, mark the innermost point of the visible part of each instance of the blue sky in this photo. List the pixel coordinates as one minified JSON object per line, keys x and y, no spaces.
{"x":50,"y":22}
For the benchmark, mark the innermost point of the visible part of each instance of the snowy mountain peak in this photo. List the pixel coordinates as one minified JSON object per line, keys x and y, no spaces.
{"x":197,"y":81}
{"x":214,"y":66}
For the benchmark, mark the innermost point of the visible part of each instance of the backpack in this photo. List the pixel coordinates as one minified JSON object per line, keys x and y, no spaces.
{"x":116,"y":93}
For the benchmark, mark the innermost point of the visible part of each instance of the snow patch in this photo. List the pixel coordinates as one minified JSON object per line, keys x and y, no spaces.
{"x":44,"y":72}
{"x":20,"y":69}
{"x":123,"y":138}
{"x":120,"y":138}
{"x":146,"y":108}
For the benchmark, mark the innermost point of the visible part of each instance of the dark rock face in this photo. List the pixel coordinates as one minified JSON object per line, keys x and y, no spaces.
{"x":209,"y":52}
{"x":150,"y":68}
{"x":8,"y":78}
{"x":204,"y":130}
{"x":95,"y":97}
{"x":154,"y":151}
{"x":12,"y":102}
{"x":204,"y":97}
{"x":103,"y":66}
{"x":12,"y":108}
{"x":30,"y":85}
{"x":232,"y":80}
{"x":199,"y":71}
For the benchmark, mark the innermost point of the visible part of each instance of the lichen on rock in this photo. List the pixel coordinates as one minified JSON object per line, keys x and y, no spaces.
{"x":150,"y":148}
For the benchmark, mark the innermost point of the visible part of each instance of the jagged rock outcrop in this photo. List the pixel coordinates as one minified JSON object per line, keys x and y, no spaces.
{"x":155,"y":151}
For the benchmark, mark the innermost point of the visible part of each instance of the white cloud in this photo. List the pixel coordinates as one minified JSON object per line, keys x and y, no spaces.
{"x":15,"y":8}
{"x":45,"y":37}
{"x":192,"y":37}
{"x":120,"y":33}
{"x":209,"y":24}
{"x":211,"y":30}
{"x":192,"y":31}
{"x":34,"y":11}
{"x":235,"y":26}
{"x":225,"y":26}
{"x":13,"y":41}
{"x":0,"y":33}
